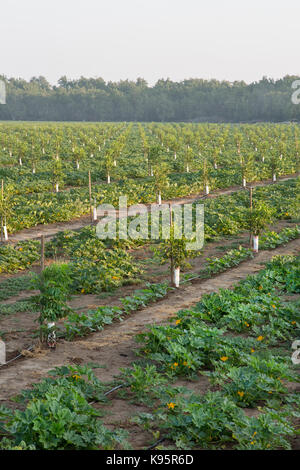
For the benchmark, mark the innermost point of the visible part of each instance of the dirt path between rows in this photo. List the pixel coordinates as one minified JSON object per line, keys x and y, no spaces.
{"x":50,"y":230}
{"x":114,"y":347}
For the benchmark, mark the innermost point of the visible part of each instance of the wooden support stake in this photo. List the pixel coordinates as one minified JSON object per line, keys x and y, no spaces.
{"x":171,"y":260}
{"x":90,"y":195}
{"x":251,"y":205}
{"x":42,"y":253}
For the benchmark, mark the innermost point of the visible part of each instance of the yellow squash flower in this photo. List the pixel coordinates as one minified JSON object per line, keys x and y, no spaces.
{"x":75,"y":376}
{"x":171,"y":406}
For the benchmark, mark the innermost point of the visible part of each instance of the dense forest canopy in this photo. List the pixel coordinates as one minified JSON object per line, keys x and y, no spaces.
{"x":193,"y":100}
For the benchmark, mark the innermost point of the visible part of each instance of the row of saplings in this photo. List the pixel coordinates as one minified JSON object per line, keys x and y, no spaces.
{"x":54,"y":282}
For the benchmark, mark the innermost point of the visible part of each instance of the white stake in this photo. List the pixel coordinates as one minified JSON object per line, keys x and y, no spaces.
{"x":5,"y":233}
{"x":176,"y":276}
{"x":2,"y":352}
{"x":159,"y":199}
{"x":255,"y":243}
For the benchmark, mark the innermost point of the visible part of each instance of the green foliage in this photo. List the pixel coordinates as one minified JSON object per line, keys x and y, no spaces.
{"x":143,"y":382}
{"x":18,"y":257}
{"x":93,"y":267}
{"x":94,"y":320}
{"x":259,"y":217}
{"x":11,"y":287}
{"x":231,"y":259}
{"x":174,"y":249}
{"x":58,"y":416}
{"x":271,"y":240}
{"x":54,"y":285}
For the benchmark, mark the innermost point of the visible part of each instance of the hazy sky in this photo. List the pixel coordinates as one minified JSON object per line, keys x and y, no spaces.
{"x":119,"y":39}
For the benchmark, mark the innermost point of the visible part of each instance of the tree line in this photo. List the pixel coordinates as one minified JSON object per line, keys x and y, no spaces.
{"x":193,"y":100}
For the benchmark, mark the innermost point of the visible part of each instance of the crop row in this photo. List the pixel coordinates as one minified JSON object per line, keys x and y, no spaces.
{"x":246,"y":371}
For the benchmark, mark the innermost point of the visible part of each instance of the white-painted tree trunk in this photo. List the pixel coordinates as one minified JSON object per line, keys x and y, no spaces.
{"x":159,"y":198}
{"x":176,"y":277}
{"x":263,"y":159}
{"x":115,"y":162}
{"x":255,"y":243}
{"x":274,"y":178}
{"x":20,"y":161}
{"x":2,"y":352}
{"x":33,"y":170}
{"x":151,"y":171}
{"x":56,"y":187}
{"x":5,"y":233}
{"x":43,"y":151}
{"x":77,"y":165}
{"x":95,"y":215}
{"x":175,"y":156}
{"x":215,"y":166}
{"x":187,"y":169}
{"x":206,"y":189}
{"x":244,"y":182}
{"x":108,"y":178}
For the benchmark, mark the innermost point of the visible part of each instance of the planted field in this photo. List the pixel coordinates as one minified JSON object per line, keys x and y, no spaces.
{"x":105,"y":347}
{"x":45,"y":167}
